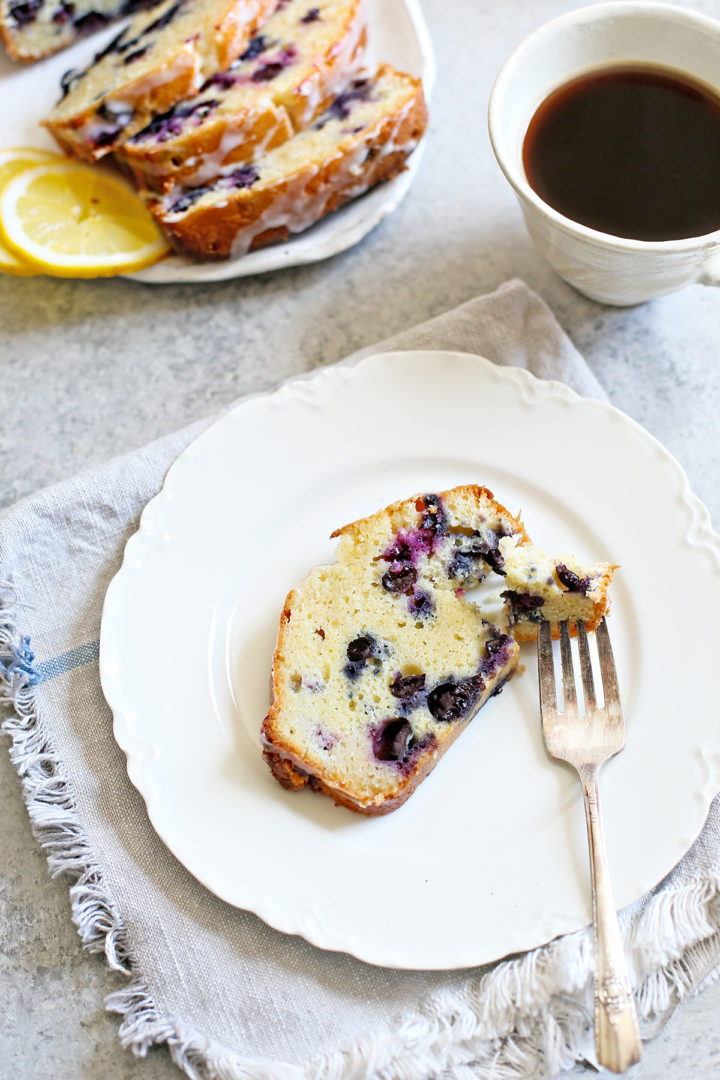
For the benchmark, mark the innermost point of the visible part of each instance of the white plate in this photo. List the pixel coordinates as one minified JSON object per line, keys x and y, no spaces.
{"x":488,"y":857}
{"x":397,"y":35}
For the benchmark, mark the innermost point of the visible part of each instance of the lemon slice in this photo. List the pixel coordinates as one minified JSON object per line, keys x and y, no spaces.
{"x":13,"y":162}
{"x":71,"y":220}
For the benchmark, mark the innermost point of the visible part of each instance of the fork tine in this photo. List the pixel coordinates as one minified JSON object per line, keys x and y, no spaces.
{"x":546,"y":668}
{"x":567,"y":667}
{"x":608,"y":673}
{"x":586,"y":670}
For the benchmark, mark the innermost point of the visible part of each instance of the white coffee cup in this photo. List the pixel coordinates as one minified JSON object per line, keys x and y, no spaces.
{"x":607,"y":268}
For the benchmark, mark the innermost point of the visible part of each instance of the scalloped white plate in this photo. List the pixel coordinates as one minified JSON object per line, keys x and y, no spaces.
{"x":397,"y":35}
{"x":488,"y":857}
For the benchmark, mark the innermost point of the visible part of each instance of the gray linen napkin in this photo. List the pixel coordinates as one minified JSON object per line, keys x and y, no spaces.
{"x":231,"y":997}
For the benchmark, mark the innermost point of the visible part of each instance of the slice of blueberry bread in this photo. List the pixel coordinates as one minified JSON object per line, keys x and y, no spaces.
{"x":381,"y":661}
{"x":306,"y":52}
{"x":362,"y":138}
{"x":553,"y":587}
{"x":163,"y":55}
{"x":32,"y":29}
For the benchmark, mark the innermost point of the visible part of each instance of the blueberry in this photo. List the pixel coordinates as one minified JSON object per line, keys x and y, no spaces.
{"x":90,"y":22}
{"x":257,"y":45}
{"x":311,"y":16}
{"x":467,"y":562}
{"x":495,"y":560}
{"x":522,"y":603}
{"x":165,"y":19}
{"x":64,"y":13}
{"x":496,"y":643}
{"x":344,"y":102}
{"x":571,"y":581}
{"x":399,"y":551}
{"x":224,"y":79}
{"x":267,"y":72}
{"x":421,"y":604}
{"x":359,"y":652}
{"x":399,"y":579}
{"x":244,"y":177}
{"x":168,"y":124}
{"x":394,"y":740}
{"x":24,"y":14}
{"x":106,"y":138}
{"x":131,"y":6}
{"x":133,"y":56}
{"x":496,"y":653}
{"x":161,"y":127}
{"x":360,"y":648}
{"x":407,"y":687}
{"x":112,"y":46}
{"x":201,"y":109}
{"x":454,"y":700}
{"x":434,"y":518}
{"x":187,"y":200}
{"x":70,"y":80}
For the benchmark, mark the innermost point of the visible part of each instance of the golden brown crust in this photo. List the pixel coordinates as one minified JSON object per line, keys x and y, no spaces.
{"x":285,"y":772}
{"x":476,"y":491}
{"x":288,"y":769}
{"x":212,"y":231}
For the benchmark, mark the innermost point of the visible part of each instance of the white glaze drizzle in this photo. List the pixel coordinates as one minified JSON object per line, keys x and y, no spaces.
{"x":131,"y":95}
{"x":296,"y":207}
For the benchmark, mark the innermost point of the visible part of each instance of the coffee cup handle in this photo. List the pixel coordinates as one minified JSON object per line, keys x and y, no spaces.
{"x":710,"y":270}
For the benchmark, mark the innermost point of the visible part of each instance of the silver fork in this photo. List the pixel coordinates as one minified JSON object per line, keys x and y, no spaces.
{"x":586,"y":743}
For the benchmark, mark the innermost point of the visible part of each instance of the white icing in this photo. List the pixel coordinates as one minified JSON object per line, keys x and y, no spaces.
{"x":223,"y":49}
{"x":234,"y":135}
{"x":324,"y":83}
{"x":131,"y":95}
{"x":297,"y":206}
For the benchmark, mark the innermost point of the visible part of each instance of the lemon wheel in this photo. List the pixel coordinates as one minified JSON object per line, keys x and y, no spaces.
{"x":71,"y":220}
{"x":12,"y":163}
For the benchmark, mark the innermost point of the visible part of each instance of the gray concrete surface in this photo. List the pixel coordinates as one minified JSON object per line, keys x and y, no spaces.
{"x":93,"y":369}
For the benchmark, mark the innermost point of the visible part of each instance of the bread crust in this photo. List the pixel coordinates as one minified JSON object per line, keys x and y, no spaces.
{"x":287,"y":768}
{"x":483,"y":495}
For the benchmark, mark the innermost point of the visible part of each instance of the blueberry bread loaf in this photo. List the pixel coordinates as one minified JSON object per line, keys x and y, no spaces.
{"x":300,"y":60}
{"x":163,"y":55}
{"x":380,"y":660}
{"x":553,"y":587}
{"x":362,"y":138}
{"x":32,"y":29}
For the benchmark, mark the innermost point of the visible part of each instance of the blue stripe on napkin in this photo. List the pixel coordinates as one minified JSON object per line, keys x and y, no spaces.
{"x":58,"y":665}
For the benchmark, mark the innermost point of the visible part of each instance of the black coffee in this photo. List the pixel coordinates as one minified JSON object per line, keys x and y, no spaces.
{"x":632,"y":151}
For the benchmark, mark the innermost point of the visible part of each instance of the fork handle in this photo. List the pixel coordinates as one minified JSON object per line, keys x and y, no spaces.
{"x":617,"y":1038}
